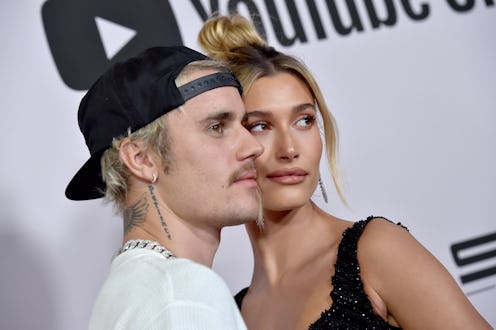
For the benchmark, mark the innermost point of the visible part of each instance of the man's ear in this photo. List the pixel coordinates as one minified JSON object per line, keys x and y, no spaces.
{"x":138,"y":159}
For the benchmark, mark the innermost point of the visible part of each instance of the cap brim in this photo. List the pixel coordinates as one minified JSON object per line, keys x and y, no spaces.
{"x":87,"y":183}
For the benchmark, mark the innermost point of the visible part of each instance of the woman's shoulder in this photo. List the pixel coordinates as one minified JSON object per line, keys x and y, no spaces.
{"x":383,"y":242}
{"x":368,"y":231}
{"x":377,"y":231}
{"x":403,"y":275}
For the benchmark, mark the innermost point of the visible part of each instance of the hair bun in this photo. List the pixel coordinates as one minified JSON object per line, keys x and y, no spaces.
{"x":221,"y":35}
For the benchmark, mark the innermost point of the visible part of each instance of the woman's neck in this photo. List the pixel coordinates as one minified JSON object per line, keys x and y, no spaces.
{"x":289,"y":240}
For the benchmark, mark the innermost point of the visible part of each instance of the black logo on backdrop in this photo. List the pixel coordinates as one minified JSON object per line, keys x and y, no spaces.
{"x":73,"y":27}
{"x":474,"y":252}
{"x":78,"y":47}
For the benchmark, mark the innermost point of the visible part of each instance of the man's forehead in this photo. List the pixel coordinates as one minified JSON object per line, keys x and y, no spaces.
{"x":223,"y":103}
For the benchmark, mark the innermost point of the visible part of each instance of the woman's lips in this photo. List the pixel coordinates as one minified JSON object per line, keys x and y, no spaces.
{"x":288,"y":176}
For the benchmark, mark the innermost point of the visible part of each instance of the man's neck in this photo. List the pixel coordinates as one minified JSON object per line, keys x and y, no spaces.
{"x":148,"y":216}
{"x":197,"y":244}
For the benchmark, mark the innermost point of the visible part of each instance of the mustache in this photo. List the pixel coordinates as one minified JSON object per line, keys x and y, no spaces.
{"x":238,"y":174}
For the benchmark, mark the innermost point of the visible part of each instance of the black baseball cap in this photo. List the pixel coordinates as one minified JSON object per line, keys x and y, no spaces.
{"x":129,"y":96}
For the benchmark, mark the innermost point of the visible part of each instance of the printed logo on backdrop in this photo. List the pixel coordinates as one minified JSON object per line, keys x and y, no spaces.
{"x":478,"y":254}
{"x":87,"y":36}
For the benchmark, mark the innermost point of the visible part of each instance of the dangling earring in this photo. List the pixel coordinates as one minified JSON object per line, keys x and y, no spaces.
{"x":322,"y":189}
{"x":154,"y":178}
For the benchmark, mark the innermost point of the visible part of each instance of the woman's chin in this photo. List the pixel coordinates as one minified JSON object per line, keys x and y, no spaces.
{"x":280,"y":203}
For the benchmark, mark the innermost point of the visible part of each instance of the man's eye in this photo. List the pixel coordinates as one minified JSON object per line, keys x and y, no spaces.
{"x":217,"y":128}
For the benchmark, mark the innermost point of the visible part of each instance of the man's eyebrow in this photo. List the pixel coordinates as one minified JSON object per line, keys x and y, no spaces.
{"x":218,"y":116}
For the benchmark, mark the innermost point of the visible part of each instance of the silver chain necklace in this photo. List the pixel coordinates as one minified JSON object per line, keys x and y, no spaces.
{"x":145,"y":244}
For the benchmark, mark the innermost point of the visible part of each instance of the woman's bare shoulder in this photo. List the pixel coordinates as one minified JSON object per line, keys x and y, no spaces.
{"x":410,"y":281}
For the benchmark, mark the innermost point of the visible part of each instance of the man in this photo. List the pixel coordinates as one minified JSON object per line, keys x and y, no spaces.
{"x":168,"y":148}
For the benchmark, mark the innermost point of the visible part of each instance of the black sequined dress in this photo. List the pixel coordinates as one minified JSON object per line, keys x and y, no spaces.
{"x":351,"y":309}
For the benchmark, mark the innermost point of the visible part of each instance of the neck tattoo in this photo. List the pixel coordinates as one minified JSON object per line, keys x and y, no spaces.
{"x":162,"y":221}
{"x":134,"y":215}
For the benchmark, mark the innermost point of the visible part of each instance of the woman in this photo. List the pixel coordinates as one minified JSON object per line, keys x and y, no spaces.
{"x":311,"y":269}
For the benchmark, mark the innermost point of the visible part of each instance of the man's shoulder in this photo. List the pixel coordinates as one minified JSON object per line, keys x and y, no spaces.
{"x":143,"y":284}
{"x":177,"y":269}
{"x":180,"y":278}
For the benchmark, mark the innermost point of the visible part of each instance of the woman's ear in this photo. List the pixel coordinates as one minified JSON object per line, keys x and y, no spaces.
{"x":138,"y":159}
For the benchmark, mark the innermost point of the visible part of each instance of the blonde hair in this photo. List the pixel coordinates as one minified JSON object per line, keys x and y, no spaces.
{"x":115,"y":174}
{"x":154,"y":136}
{"x":236,"y":41}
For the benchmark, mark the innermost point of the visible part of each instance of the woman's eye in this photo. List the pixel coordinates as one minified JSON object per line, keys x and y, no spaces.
{"x":217,"y":128}
{"x":258,"y":127}
{"x":305,"y":121}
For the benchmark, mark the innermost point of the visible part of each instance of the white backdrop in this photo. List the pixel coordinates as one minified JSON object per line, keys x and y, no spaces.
{"x":415,"y":104}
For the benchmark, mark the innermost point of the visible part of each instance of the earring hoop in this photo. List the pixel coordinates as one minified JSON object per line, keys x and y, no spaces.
{"x":154,"y":178}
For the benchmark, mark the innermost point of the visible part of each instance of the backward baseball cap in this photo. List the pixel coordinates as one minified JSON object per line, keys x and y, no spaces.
{"x":129,"y":96}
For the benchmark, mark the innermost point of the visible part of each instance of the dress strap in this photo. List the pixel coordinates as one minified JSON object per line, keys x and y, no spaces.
{"x":240,"y":296}
{"x":350,"y":308}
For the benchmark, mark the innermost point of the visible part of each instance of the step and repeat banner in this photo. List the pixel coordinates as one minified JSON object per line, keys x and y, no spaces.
{"x":411,"y":83}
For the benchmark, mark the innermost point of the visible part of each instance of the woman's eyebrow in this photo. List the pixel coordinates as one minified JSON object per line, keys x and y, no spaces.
{"x":259,"y":113}
{"x":266,"y":113}
{"x":302,"y":107}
